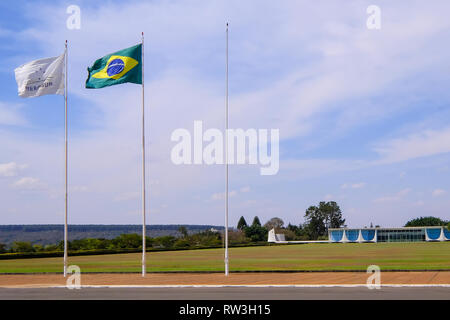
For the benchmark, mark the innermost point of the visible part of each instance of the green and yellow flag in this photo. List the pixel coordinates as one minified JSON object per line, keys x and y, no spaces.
{"x":116,"y":68}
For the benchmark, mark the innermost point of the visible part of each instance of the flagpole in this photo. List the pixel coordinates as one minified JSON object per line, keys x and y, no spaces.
{"x":143,"y":166}
{"x":65,"y":164}
{"x":226,"y":160}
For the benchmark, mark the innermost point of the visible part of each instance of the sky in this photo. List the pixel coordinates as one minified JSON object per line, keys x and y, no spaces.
{"x":363,"y":115}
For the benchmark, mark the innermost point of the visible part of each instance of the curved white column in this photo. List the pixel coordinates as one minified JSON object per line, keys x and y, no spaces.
{"x":445,"y":237}
{"x":344,"y":237}
{"x":360,"y":238}
{"x":442,"y":236}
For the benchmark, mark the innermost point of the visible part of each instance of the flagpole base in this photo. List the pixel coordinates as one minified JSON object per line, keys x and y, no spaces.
{"x":226,"y":267}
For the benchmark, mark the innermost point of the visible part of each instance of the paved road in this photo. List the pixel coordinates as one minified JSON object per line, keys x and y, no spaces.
{"x":227,"y":293}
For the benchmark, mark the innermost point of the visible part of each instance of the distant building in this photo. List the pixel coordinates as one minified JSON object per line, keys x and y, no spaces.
{"x":280,"y":238}
{"x":406,"y":234}
{"x":275,"y":237}
{"x":345,"y":235}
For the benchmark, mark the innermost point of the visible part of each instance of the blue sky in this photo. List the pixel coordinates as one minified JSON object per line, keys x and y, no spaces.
{"x":363,"y":114}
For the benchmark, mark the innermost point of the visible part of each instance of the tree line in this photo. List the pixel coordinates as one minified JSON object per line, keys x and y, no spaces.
{"x":318,"y":219}
{"x":427,"y":221}
{"x":124,"y":241}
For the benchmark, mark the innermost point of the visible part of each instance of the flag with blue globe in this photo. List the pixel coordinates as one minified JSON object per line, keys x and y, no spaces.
{"x":116,"y":68}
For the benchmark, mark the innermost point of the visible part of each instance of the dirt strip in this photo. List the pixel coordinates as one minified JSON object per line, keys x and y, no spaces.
{"x":331,"y":278}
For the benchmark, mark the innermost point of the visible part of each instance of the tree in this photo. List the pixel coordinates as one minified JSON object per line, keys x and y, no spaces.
{"x":51,"y":247}
{"x":292,"y":227}
{"x":165,"y":241}
{"x":256,"y":233}
{"x":315,"y":222}
{"x":299,"y":231}
{"x":333,"y":214}
{"x":128,"y":241}
{"x":320,"y":218}
{"x":38,"y":248}
{"x":181,"y":243}
{"x":183,"y":231}
{"x":256,"y":221}
{"x":237,"y":236}
{"x":22,"y":246}
{"x":274,"y":223}
{"x":3,"y":248}
{"x":425,"y":222}
{"x":242,"y":223}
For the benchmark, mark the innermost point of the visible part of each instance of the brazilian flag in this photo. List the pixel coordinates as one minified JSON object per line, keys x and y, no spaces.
{"x":116,"y":68}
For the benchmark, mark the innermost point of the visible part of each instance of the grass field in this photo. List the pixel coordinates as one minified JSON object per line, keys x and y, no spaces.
{"x":355,"y":256}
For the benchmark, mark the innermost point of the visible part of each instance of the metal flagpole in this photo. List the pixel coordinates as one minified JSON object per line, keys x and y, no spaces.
{"x":226,"y":160}
{"x":66,"y":189}
{"x":143,"y":165}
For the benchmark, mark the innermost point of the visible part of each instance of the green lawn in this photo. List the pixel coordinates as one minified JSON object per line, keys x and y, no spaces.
{"x":350,"y":256}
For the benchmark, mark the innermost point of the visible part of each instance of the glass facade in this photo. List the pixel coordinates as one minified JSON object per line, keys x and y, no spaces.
{"x":400,"y":235}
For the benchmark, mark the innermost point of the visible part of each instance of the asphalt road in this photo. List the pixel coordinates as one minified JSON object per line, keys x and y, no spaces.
{"x":227,"y":293}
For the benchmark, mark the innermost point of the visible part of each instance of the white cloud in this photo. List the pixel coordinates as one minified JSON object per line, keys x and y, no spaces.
{"x":28,"y":183}
{"x":10,"y":169}
{"x":79,"y":189}
{"x":358,"y":185}
{"x":421,"y":144}
{"x":284,"y":56}
{"x":232,"y":193}
{"x":334,"y":197}
{"x":245,"y":189}
{"x":438,"y":192}
{"x":221,"y":196}
{"x":398,"y":196}
{"x":288,"y":97}
{"x":125,"y":196}
{"x":329,"y":197}
{"x":10,"y":115}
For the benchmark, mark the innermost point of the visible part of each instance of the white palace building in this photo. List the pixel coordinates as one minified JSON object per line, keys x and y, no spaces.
{"x":349,"y":235}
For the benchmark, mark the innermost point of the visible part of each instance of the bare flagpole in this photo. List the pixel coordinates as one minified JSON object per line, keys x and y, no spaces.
{"x":143,"y":166}
{"x":226,"y":160}
{"x":65,"y":164}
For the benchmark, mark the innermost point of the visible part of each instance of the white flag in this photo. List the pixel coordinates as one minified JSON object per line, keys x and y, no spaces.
{"x":41,"y":77}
